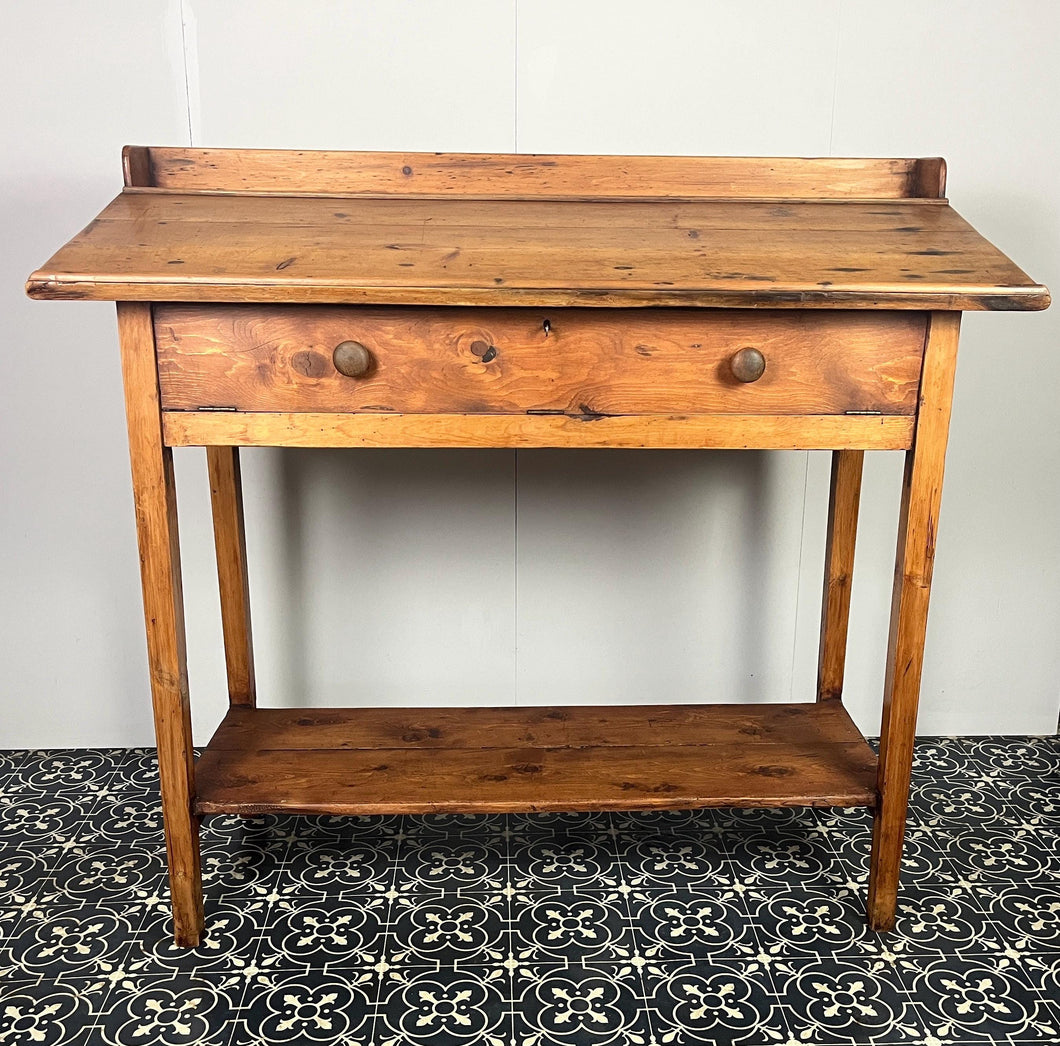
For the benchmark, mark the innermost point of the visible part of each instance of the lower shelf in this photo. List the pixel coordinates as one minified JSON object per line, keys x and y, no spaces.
{"x":508,"y":760}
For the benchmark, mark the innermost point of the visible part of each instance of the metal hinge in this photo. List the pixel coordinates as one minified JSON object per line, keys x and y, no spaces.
{"x":870,"y":413}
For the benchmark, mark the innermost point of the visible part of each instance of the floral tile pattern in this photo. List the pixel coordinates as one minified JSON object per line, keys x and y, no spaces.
{"x":52,"y":1014}
{"x":171,"y":1011}
{"x":982,"y":998}
{"x":669,"y":928}
{"x":847,"y":1000}
{"x":723,"y":1002}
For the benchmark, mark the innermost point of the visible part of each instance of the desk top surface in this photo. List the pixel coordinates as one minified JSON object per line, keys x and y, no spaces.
{"x":175,"y":244}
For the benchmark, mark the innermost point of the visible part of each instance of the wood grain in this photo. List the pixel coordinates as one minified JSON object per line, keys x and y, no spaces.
{"x":843,"y":500}
{"x":542,"y":176}
{"x":917,"y":532}
{"x":154,"y":498}
{"x":389,"y":233}
{"x":544,"y":726}
{"x":230,"y":544}
{"x":166,"y":246}
{"x":136,"y":166}
{"x":514,"y":361}
{"x":687,"y":431}
{"x":251,"y":770}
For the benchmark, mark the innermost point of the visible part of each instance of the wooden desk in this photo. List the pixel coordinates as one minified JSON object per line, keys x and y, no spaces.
{"x":371,"y":299}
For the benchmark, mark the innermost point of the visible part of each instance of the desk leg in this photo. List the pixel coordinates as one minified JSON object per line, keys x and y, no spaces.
{"x":154,"y":497}
{"x":226,"y":494}
{"x":917,"y":528}
{"x":843,"y":499}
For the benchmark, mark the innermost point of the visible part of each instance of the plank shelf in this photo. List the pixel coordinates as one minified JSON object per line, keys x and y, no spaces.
{"x":507,"y":760}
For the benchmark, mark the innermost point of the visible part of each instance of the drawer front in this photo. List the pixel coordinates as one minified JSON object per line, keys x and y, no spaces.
{"x":581,"y":362}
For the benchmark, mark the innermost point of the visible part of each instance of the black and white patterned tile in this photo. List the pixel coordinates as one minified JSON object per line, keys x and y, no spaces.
{"x":230,"y":944}
{"x":446,"y":1007}
{"x":1028,"y":912}
{"x":944,"y":803}
{"x":306,"y":1008}
{"x":1023,"y":758}
{"x":924,"y":856}
{"x":1006,"y":853}
{"x":337,"y":868}
{"x":29,"y":818}
{"x":688,"y":923}
{"x":324,"y":933}
{"x":843,"y":819}
{"x":171,"y":1010}
{"x":260,"y":830}
{"x":780,"y":858}
{"x":946,"y":758}
{"x":981,"y":998}
{"x":128,"y":820}
{"x":84,"y":770}
{"x":449,"y":930}
{"x":24,"y":871}
{"x":576,"y":1003}
{"x":723,"y":1001}
{"x":484,"y":826}
{"x":114,"y":874}
{"x":10,"y":761}
{"x":451,"y":864}
{"x":634,"y":822}
{"x":1032,"y":804}
{"x":63,"y":942}
{"x":796,"y":921}
{"x":669,"y":859}
{"x":242,"y":868}
{"x":567,"y":927}
{"x":664,"y":928}
{"x":846,"y":1000}
{"x":1043,"y":972}
{"x":49,"y":1013}
{"x":944,"y":917}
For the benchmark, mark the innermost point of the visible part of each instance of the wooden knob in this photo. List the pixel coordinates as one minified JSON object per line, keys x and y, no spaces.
{"x":747,"y":364}
{"x":352,"y":359}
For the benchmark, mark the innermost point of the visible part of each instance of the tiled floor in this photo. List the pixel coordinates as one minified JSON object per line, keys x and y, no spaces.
{"x":634,"y":930}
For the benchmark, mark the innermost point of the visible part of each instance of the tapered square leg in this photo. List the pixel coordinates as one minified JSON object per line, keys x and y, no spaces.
{"x":843,"y":501}
{"x":154,"y":497}
{"x":917,"y":530}
{"x":230,"y":542}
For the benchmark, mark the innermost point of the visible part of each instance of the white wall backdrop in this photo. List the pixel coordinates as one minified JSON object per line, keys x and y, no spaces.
{"x":438,"y":577}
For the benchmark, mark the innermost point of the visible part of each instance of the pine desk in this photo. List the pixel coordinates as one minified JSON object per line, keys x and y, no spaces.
{"x":301,"y":299}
